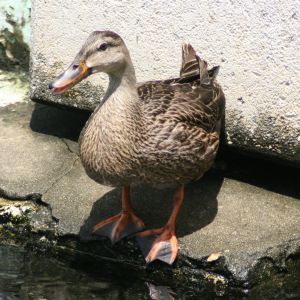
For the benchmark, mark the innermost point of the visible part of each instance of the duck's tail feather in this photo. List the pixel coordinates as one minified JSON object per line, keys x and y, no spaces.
{"x":202,"y":64}
{"x":192,"y":65}
{"x":213,"y":72}
{"x":189,"y":65}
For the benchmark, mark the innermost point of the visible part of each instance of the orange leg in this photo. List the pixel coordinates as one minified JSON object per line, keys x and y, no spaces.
{"x":121,"y":225}
{"x":162,"y":243}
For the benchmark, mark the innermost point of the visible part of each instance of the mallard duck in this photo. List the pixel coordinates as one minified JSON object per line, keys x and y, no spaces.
{"x":158,"y":132}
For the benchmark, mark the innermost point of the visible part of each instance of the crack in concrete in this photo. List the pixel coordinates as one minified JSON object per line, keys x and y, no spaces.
{"x":68,"y":171}
{"x":61,"y":177}
{"x":36,"y":198}
{"x":68,"y":146}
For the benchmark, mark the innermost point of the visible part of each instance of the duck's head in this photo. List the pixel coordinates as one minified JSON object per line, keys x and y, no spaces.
{"x":103,"y":51}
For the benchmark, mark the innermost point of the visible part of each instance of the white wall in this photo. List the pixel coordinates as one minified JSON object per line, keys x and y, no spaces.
{"x":257,"y":44}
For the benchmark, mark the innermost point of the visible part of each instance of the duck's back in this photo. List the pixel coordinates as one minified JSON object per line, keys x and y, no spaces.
{"x":182,"y":121}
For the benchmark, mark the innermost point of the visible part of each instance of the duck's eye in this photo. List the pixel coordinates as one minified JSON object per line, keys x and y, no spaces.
{"x":102,"y":47}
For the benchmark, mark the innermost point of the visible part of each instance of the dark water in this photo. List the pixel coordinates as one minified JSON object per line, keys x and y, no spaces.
{"x":25,"y":275}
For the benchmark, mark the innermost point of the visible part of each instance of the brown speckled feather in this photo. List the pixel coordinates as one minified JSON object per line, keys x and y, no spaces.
{"x":182,"y":124}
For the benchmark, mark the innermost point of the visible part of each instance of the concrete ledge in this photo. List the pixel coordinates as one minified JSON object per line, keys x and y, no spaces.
{"x":259,"y":69}
{"x":234,"y":227}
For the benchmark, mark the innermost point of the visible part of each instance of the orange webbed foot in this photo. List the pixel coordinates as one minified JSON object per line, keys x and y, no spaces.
{"x":119,"y":226}
{"x":158,"y":244}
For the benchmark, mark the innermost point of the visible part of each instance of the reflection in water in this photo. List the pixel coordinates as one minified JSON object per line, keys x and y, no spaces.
{"x":158,"y":292}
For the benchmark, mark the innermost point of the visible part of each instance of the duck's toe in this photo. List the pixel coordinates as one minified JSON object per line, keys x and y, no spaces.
{"x":119,"y":226}
{"x":158,"y":244}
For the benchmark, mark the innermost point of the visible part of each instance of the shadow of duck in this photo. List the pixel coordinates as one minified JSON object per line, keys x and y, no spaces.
{"x":154,"y":206}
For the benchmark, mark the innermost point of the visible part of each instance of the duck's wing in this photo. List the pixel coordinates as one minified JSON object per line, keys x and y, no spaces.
{"x":195,"y":100}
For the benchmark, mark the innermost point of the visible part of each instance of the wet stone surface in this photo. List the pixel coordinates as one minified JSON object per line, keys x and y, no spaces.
{"x":239,"y":225}
{"x":26,"y":275}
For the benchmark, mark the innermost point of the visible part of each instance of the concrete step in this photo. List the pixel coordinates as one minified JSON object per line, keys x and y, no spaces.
{"x":241,"y":218}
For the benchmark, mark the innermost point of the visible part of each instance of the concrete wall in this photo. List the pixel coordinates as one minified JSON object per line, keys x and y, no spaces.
{"x":255,"y":42}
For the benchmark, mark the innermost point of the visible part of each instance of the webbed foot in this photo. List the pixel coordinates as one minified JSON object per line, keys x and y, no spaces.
{"x":160,"y":244}
{"x":119,"y":226}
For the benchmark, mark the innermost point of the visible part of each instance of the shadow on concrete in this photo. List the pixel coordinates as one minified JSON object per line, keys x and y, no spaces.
{"x":57,"y":121}
{"x":261,"y":172}
{"x":154,"y":205}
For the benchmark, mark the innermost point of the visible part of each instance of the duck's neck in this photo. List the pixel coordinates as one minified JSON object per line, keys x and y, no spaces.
{"x":119,"y":112}
{"x":122,"y":85}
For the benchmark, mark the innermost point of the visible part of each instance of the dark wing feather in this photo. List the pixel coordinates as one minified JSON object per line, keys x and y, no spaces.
{"x":182,"y":118}
{"x":189,"y":65}
{"x":197,"y":99}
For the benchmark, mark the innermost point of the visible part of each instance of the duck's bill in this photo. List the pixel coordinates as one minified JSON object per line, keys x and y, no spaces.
{"x":74,"y":74}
